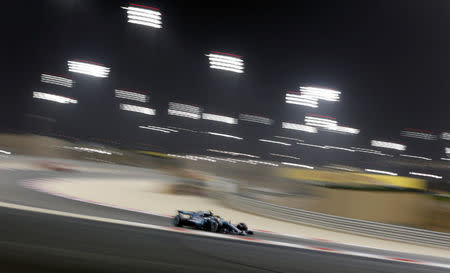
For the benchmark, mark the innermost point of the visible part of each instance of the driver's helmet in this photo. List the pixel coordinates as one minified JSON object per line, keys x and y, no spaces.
{"x":242,"y":226}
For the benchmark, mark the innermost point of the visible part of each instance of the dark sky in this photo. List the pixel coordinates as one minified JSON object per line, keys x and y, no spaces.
{"x":389,"y":59}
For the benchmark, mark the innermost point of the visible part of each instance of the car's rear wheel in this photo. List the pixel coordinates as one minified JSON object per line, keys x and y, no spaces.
{"x":177,"y":221}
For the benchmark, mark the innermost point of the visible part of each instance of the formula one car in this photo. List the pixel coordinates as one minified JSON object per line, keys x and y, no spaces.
{"x":206,"y":220}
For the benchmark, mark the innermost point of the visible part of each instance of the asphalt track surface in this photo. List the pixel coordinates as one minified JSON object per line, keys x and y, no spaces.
{"x":37,"y":242}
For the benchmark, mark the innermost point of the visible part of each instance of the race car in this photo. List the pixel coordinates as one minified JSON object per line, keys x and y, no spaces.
{"x":206,"y":220}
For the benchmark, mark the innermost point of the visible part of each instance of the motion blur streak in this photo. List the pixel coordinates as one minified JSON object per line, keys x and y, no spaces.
{"x":228,"y":63}
{"x":256,"y":119}
{"x":320,"y":93}
{"x":5,"y":152}
{"x":57,"y":80}
{"x":294,"y":98}
{"x":232,"y":153}
{"x":367,"y":151}
{"x":159,"y":129}
{"x":184,"y":110}
{"x":426,"y":175}
{"x":219,"y":118}
{"x":122,"y":94}
{"x":286,"y":156}
{"x":89,"y":150}
{"x":137,"y":109}
{"x":224,"y":135}
{"x":183,"y":129}
{"x":299,"y":127}
{"x":380,"y":172}
{"x":290,"y":138}
{"x":419,"y":135}
{"x":445,"y":158}
{"x":320,"y":122}
{"x":447,"y":150}
{"x":414,"y":156}
{"x":313,"y":145}
{"x":297,"y":165}
{"x":339,"y":148}
{"x":144,"y":16}
{"x":343,"y":129}
{"x":445,"y":136}
{"x":275,"y":142}
{"x":87,"y":68}
{"x":388,"y":145}
{"x":52,"y":97}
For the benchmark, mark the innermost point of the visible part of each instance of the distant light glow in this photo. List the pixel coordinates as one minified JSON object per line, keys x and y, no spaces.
{"x":52,"y":97}
{"x":57,"y":80}
{"x":224,"y":135}
{"x":388,"y":145}
{"x":297,"y":165}
{"x":226,"y":62}
{"x":129,"y":95}
{"x":320,"y":93}
{"x":88,"y":68}
{"x":5,"y":152}
{"x":137,"y":109}
{"x":144,"y":16}
{"x":232,"y":153}
{"x":285,"y":156}
{"x":275,"y":142}
{"x":184,"y":110}
{"x":290,"y":138}
{"x":416,"y":157}
{"x":219,"y":118}
{"x":426,"y":175}
{"x":380,"y":172}
{"x":299,"y":127}
{"x":256,"y":119}
{"x":159,"y":129}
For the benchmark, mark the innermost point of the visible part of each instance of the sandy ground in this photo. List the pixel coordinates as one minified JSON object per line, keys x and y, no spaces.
{"x":153,"y":197}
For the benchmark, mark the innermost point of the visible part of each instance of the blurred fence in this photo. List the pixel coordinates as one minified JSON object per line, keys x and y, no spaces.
{"x":367,"y":228}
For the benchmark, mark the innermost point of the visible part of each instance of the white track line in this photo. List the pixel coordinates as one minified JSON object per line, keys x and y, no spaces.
{"x":36,"y":184}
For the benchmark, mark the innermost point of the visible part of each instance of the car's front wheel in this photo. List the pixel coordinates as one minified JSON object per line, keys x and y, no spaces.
{"x":177,"y":221}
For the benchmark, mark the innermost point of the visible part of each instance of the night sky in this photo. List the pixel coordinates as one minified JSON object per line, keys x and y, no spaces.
{"x":389,"y":59}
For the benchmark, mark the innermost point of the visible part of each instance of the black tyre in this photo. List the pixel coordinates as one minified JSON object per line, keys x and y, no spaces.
{"x":242,"y":226}
{"x":177,"y":221}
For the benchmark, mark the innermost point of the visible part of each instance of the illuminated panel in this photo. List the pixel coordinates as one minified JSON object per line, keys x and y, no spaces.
{"x":137,"y":109}
{"x":416,"y":133}
{"x":320,"y":93}
{"x":274,"y":142}
{"x":343,"y":129}
{"x":299,"y":99}
{"x":57,"y":80}
{"x":299,"y":127}
{"x":320,"y":121}
{"x":285,"y":156}
{"x":55,"y":98}
{"x":297,"y":165}
{"x":184,"y":110}
{"x":129,"y":95}
{"x":159,"y":129}
{"x":388,"y":145}
{"x":256,"y":119}
{"x":225,"y":61}
{"x":224,"y":135}
{"x":232,"y":153}
{"x":219,"y":118}
{"x":445,"y":136}
{"x":88,"y":68}
{"x":142,"y":15}
{"x":426,"y":175}
{"x":416,"y":157}
{"x":380,"y":172}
